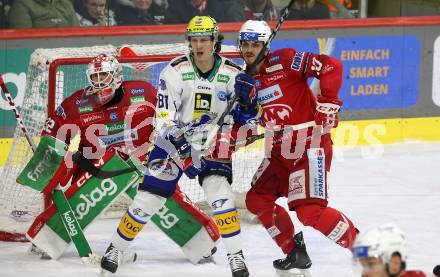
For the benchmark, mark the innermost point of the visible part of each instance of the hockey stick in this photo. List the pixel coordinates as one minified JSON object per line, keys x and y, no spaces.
{"x":88,"y":166}
{"x":17,"y":114}
{"x":249,"y":70}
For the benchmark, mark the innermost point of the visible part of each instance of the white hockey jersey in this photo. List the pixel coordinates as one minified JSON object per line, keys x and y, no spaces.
{"x":184,"y":95}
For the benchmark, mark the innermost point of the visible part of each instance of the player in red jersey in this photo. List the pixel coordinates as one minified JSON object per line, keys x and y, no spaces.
{"x":110,"y":113}
{"x":300,"y":158}
{"x":382,"y":252}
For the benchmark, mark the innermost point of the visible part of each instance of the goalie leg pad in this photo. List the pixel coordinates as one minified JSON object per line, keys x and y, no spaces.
{"x":161,"y":179}
{"x":222,"y":200}
{"x":332,"y":223}
{"x":143,"y":207}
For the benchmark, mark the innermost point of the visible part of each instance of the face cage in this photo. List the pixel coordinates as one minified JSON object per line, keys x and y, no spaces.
{"x":105,"y":82}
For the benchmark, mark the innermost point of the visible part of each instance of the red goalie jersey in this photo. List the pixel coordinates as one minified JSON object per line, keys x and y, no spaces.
{"x":124,"y":123}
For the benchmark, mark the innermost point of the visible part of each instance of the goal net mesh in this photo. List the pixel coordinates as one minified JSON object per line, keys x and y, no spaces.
{"x":53,"y":75}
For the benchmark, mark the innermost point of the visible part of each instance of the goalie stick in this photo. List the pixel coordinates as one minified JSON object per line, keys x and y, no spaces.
{"x":17,"y":114}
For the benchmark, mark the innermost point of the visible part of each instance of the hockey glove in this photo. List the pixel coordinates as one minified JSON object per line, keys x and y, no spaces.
{"x":327,"y":112}
{"x":245,"y":88}
{"x":184,"y":150}
{"x":249,"y":116}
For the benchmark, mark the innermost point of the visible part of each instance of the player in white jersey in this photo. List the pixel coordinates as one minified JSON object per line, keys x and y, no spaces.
{"x":191,"y":88}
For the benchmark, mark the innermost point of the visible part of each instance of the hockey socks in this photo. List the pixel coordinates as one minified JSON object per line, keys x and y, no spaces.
{"x":332,"y":223}
{"x":274,"y":218}
{"x":143,"y":207}
{"x":222,"y":200}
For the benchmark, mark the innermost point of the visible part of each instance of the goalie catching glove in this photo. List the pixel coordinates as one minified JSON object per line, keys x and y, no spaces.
{"x":327,"y":112}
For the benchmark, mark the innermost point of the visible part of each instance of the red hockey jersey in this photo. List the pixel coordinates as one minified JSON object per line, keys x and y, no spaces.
{"x":125,"y":123}
{"x":283,"y":92}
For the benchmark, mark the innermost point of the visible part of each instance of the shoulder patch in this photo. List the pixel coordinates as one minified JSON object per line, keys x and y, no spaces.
{"x":230,"y":63}
{"x":179,"y":60}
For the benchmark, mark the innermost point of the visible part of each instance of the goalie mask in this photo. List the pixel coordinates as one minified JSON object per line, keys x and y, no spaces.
{"x":382,"y":243}
{"x":105,"y":76}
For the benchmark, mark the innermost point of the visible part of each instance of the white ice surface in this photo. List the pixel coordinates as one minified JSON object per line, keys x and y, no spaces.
{"x":400,"y":184}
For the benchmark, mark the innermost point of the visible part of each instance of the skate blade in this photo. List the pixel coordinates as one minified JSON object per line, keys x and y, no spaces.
{"x":105,"y":273}
{"x":207,"y":260}
{"x":294,"y":273}
{"x":95,"y":259}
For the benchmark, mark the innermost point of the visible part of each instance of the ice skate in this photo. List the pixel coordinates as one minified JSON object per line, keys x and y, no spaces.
{"x":111,"y":260}
{"x":297,"y":259}
{"x":209,"y":258}
{"x":34,"y":250}
{"x":238,"y":265}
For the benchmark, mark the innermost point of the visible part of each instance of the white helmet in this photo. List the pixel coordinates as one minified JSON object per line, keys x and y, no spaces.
{"x":105,"y":76}
{"x":255,"y":30}
{"x":381,"y":242}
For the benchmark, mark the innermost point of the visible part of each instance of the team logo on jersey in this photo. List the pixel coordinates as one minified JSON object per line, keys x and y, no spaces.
{"x":276,"y":112}
{"x":222,"y":95}
{"x":297,"y":61}
{"x":269,"y":94}
{"x":274,"y":68}
{"x":202,"y":102}
{"x":91,"y":118}
{"x":188,"y":76}
{"x":317,"y":172}
{"x":221,"y":78}
{"x":114,"y":116}
{"x":297,"y":186}
{"x":85,"y":109}
{"x":137,"y":91}
{"x":162,"y":84}
{"x":60,"y":112}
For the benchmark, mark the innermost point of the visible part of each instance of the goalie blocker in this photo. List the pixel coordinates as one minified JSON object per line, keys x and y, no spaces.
{"x":182,"y":221}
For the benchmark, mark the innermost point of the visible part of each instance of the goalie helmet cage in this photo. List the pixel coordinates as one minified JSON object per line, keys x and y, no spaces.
{"x":53,"y":75}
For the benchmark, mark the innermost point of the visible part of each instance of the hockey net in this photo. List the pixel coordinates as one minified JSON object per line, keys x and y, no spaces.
{"x":53,"y":75}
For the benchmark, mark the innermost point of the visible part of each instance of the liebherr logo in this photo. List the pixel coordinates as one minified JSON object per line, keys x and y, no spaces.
{"x":107,"y":188}
{"x":70,"y":224}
